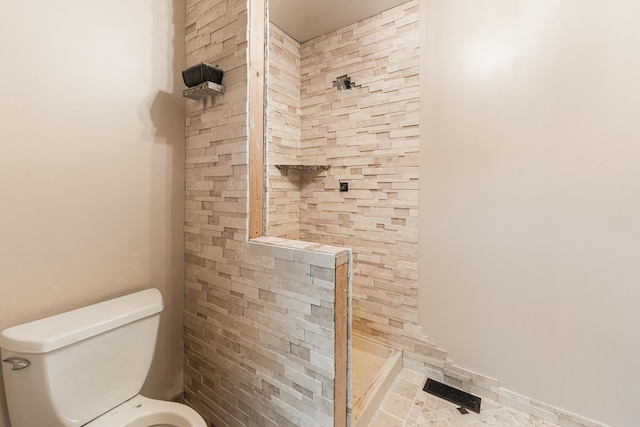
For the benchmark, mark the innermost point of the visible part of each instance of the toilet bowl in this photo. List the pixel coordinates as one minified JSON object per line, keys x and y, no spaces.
{"x":144,"y":412}
{"x":85,"y":368}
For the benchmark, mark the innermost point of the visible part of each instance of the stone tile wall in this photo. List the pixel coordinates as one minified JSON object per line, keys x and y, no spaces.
{"x":369,"y":137}
{"x":260,"y":345}
{"x":259,"y":315}
{"x":283,"y":134}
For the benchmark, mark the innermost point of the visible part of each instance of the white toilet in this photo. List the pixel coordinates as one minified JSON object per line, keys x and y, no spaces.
{"x":87,"y":366}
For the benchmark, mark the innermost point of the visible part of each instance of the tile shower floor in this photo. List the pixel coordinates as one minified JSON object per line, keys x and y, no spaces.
{"x":406,"y":405}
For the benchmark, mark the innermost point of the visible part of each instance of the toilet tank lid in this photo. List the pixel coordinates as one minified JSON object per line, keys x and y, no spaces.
{"x":51,"y":333}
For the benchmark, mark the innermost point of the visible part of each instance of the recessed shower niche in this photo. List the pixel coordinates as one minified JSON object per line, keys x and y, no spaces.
{"x":342,"y":106}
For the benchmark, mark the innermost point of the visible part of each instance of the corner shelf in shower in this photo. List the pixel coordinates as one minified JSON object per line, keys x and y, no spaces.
{"x":303,"y":167}
{"x":203,"y":91}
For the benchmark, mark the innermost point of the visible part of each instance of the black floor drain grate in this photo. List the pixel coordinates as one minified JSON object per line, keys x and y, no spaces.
{"x":453,"y":395}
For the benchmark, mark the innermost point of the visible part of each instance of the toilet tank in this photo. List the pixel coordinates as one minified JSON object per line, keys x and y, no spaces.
{"x":82,"y":363}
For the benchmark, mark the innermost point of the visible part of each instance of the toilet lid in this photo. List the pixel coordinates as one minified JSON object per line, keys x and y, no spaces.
{"x":144,"y":412}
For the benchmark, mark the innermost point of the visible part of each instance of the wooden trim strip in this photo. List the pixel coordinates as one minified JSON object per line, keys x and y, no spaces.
{"x":340,"y":346}
{"x":257,"y":27}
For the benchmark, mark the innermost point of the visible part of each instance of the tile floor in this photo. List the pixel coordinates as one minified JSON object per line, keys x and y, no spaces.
{"x":406,"y":405}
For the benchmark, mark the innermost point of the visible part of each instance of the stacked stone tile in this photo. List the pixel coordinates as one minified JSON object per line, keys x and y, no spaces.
{"x":283,"y":134}
{"x":369,"y":137}
{"x":259,"y":315}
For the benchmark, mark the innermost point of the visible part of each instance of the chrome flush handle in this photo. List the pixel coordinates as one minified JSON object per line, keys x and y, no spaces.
{"x":17,"y":363}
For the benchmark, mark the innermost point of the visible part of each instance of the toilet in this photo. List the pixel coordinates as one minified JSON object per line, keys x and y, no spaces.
{"x":86,"y":368}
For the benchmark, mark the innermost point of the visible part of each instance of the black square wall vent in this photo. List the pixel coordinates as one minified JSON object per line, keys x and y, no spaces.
{"x":453,"y":395}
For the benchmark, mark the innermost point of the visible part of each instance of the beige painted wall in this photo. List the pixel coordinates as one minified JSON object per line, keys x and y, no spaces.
{"x":530,"y":196}
{"x":92,"y":162}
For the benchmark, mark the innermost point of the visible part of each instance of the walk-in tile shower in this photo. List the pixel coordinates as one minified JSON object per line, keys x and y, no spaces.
{"x":343,"y":107}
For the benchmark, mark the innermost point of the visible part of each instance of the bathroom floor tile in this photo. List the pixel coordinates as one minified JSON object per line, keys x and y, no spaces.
{"x":383,"y":419}
{"x":407,"y":405}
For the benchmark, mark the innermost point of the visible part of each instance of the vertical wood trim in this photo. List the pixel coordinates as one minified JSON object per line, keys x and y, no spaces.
{"x":256,"y":116}
{"x":340,"y":346}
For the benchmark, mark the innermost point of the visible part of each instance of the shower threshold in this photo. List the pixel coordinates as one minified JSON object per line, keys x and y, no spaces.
{"x":374,"y":367}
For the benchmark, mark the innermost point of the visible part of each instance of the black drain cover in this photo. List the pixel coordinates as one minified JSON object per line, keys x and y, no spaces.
{"x":453,"y":395}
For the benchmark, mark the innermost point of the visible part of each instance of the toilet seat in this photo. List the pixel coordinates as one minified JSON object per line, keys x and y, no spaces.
{"x":141,"y":411}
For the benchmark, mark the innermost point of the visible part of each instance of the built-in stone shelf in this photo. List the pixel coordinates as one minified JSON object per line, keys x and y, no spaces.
{"x":303,"y":167}
{"x":203,"y":91}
